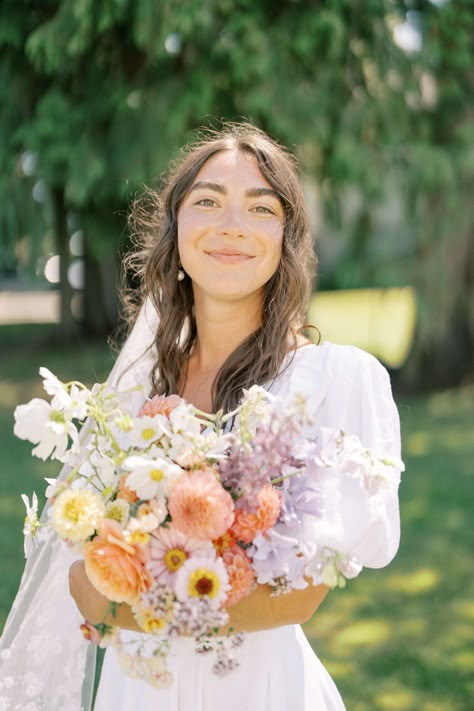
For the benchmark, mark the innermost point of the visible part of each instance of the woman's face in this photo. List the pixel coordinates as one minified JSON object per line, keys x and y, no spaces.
{"x":230,"y":229}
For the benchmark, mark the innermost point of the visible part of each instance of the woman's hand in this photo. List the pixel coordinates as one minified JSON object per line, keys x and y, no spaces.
{"x":94,"y":606}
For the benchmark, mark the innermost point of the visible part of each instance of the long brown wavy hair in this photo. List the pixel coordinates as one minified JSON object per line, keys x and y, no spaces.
{"x":155,"y":263}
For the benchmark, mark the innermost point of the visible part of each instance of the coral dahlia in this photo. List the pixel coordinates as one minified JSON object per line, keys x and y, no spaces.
{"x":200,"y":507}
{"x":247,"y":525}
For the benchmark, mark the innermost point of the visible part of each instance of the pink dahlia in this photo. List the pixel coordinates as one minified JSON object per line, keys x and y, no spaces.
{"x":247,"y":525}
{"x":160,"y":405}
{"x":241,"y":574}
{"x":169,"y":549}
{"x":200,"y":507}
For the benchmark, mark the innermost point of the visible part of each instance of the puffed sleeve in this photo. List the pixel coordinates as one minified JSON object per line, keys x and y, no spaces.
{"x":358,"y":399}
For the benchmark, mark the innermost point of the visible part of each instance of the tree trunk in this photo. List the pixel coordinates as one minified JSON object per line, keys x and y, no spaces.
{"x":68,"y":328}
{"x":443,"y":354}
{"x":100,"y":296}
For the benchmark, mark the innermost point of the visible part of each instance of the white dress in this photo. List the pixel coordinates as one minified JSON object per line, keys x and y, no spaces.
{"x":345,"y":388}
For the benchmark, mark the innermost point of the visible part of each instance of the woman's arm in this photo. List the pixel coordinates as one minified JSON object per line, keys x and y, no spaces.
{"x":257,"y":611}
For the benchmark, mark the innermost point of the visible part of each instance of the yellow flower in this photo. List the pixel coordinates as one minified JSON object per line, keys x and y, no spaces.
{"x":118,"y":510}
{"x":77,"y":514}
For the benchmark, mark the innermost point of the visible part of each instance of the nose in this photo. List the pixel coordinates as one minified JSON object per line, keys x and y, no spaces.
{"x":232,"y":223}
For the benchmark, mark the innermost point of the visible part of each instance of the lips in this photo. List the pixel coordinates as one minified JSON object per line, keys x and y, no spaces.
{"x":228,"y":251}
{"x":227,"y":255}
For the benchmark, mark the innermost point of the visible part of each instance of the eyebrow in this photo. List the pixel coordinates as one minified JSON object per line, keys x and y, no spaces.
{"x":219,"y":188}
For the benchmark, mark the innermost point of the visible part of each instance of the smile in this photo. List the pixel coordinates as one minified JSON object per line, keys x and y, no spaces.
{"x":229,"y":257}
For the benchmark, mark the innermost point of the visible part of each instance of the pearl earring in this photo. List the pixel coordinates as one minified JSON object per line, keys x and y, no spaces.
{"x":180,"y":275}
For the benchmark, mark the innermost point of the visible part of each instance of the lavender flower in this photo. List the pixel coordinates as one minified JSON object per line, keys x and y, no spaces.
{"x":255,"y":460}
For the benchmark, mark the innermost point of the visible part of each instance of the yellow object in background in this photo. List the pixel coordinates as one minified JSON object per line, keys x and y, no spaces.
{"x":381,"y":321}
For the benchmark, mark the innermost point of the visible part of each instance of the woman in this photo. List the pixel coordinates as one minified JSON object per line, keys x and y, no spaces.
{"x":227,"y":268}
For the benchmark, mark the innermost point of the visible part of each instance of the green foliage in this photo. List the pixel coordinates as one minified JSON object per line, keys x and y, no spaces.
{"x":104,"y":93}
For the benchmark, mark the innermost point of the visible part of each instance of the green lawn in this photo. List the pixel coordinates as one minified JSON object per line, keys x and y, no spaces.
{"x":395,"y":639}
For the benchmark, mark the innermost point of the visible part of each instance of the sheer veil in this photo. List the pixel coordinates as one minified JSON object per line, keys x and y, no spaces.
{"x":45,"y":664}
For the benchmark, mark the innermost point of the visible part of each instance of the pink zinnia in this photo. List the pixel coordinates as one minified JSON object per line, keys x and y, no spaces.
{"x":160,"y":405}
{"x":241,"y":574}
{"x":170,"y":549}
{"x":200,"y":507}
{"x":247,"y":525}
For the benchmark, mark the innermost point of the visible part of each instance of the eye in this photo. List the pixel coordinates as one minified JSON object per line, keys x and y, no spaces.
{"x":263,"y":210}
{"x":206,"y":202}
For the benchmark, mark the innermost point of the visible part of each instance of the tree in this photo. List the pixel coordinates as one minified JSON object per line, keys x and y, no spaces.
{"x":108,"y":90}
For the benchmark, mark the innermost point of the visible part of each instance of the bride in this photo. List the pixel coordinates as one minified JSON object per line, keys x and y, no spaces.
{"x":226,"y":270}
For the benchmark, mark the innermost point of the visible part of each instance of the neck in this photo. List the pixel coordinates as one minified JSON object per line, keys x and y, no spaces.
{"x":221,"y":328}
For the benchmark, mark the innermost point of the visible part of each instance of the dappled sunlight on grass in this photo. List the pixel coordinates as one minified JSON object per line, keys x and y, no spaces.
{"x":395,"y":700}
{"x":464,"y":661}
{"x":417,"y":444}
{"x":362,"y":633}
{"x":464,"y":608}
{"x":459,"y":402}
{"x":414,"y":583}
{"x":339,"y":668}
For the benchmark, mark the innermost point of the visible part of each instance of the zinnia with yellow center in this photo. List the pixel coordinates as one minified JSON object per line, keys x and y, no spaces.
{"x":77,"y":513}
{"x":203,"y":578}
{"x":170,"y":549}
{"x":200,"y":507}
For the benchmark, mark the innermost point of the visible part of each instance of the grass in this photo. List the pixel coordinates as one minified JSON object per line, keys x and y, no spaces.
{"x":397,"y":639}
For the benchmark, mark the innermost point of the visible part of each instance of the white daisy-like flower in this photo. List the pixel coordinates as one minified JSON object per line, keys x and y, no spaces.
{"x":54,"y":485}
{"x":73,"y":401}
{"x":49,"y":429}
{"x":32,"y":523}
{"x":118,"y":510}
{"x":151,"y":478}
{"x":202,"y":578}
{"x":145,"y":431}
{"x":77,"y":513}
{"x":183,"y":421}
{"x":149,"y":516}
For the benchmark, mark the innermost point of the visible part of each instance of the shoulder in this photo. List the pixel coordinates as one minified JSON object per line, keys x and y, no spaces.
{"x":344,"y":386}
{"x":330,"y":364}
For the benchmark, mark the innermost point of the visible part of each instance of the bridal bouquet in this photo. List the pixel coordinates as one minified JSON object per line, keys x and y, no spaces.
{"x":179,"y":513}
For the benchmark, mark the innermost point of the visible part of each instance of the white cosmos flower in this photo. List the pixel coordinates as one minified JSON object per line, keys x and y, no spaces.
{"x":151,"y":478}
{"x":145,"y":431}
{"x":49,"y":429}
{"x":73,"y":402}
{"x":183,"y":421}
{"x":51,"y":383}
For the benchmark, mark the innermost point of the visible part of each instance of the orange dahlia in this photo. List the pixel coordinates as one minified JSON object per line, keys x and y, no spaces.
{"x":241,"y":574}
{"x":247,"y":525}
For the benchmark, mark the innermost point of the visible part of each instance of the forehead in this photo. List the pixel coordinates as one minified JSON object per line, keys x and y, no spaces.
{"x":232,"y":166}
